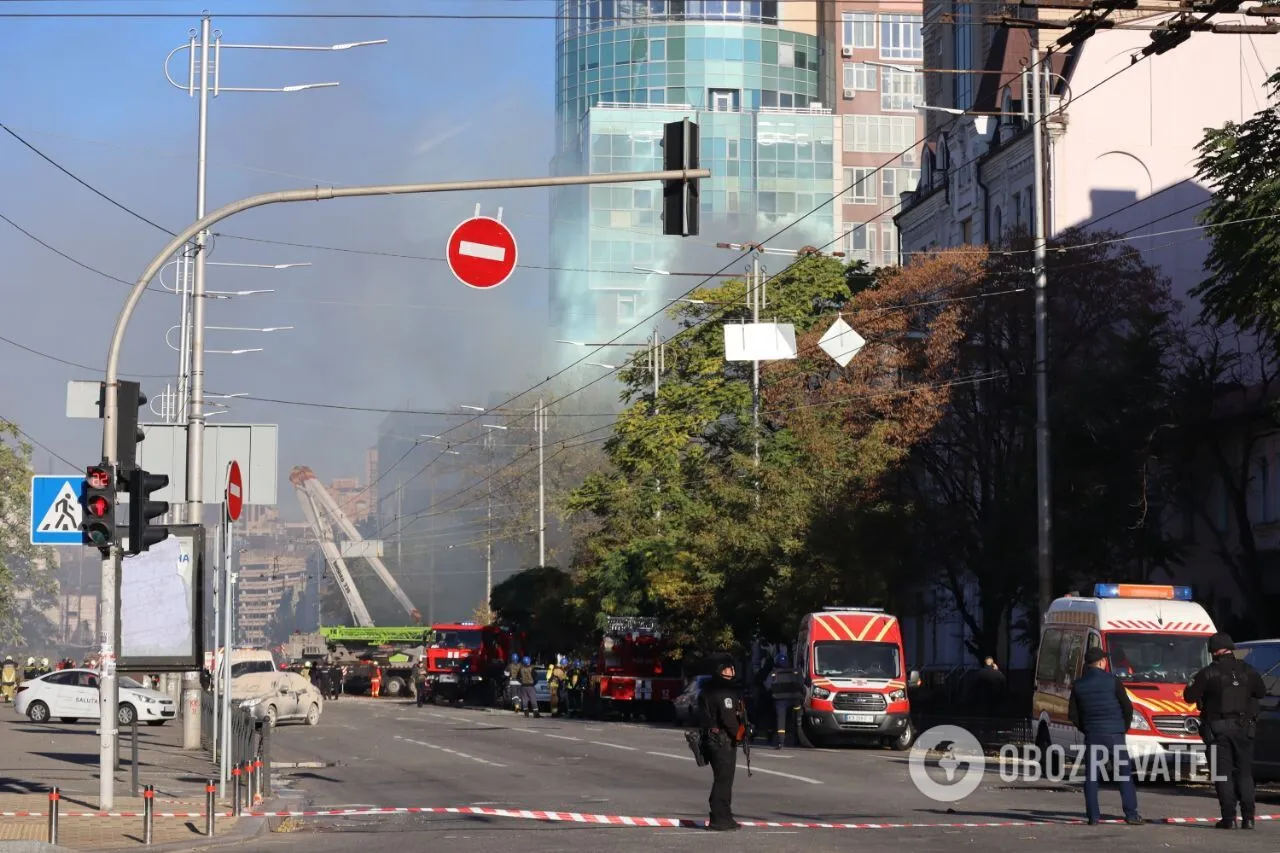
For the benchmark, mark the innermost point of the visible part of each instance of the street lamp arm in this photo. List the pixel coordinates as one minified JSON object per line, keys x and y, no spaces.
{"x":111,"y":398}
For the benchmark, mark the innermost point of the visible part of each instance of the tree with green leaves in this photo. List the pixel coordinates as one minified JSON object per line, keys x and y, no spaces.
{"x":1241,"y":164}
{"x":25,"y":569}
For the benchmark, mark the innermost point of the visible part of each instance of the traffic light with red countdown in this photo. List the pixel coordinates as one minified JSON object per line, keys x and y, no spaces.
{"x":99,"y":506}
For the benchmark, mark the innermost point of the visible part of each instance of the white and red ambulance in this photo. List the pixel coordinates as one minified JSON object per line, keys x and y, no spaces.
{"x":853,"y":666}
{"x":1155,"y":638}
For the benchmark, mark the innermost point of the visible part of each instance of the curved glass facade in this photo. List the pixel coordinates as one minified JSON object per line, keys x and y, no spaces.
{"x":624,"y":68}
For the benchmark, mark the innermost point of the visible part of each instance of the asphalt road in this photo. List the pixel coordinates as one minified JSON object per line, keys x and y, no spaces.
{"x":390,"y":753}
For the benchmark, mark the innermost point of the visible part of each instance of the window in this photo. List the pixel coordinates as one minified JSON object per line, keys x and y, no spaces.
{"x":997,"y":226}
{"x":626,"y":307}
{"x":895,"y":182}
{"x":861,"y":243}
{"x":724,"y":100}
{"x":787,"y":55}
{"x":1049,"y":666}
{"x":1017,"y":210}
{"x":966,"y":232}
{"x":860,"y":76}
{"x":860,"y":186}
{"x":888,"y":243}
{"x":900,"y":91}
{"x":879,"y":134}
{"x":1072,"y":655}
{"x":962,"y":31}
{"x":859,"y":30}
{"x":901,"y":37}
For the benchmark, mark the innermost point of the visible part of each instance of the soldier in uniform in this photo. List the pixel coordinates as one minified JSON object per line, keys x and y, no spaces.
{"x":786,"y":689}
{"x":1228,"y":692}
{"x":723,"y":723}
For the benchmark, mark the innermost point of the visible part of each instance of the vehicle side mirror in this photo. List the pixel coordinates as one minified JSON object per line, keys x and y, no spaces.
{"x":914,"y":679}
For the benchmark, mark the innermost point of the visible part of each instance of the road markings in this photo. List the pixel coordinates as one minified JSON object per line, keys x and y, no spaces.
{"x":614,"y":745}
{"x":793,"y":776}
{"x":455,"y":752}
{"x":563,"y":737}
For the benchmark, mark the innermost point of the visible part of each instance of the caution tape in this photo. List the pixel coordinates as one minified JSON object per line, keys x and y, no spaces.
{"x":614,"y":820}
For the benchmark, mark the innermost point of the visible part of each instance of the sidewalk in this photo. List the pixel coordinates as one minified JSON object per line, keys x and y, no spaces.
{"x":33,"y":758}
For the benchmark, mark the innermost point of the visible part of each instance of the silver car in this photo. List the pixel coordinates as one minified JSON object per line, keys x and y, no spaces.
{"x":278,"y":697}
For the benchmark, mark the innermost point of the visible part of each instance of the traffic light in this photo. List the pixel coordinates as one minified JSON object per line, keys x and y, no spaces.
{"x":129,"y":399}
{"x":142,"y":534}
{"x":680,"y":197}
{"x":99,"y":523}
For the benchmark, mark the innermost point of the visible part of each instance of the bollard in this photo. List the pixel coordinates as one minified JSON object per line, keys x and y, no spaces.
{"x":148,"y":812}
{"x":257,"y":780}
{"x":248,"y":783}
{"x":235,"y":790}
{"x":210,"y":804}
{"x":54,"y":798}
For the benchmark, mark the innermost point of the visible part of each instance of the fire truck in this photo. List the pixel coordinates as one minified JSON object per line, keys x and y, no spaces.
{"x":631,"y":674}
{"x":467,"y":662}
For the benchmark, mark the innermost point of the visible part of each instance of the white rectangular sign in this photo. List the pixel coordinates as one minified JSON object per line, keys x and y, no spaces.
{"x":759,"y":341}
{"x":160,"y":603}
{"x":254,"y":446}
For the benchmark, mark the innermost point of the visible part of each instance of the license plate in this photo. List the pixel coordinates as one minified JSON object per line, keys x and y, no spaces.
{"x":447,"y":679}
{"x":857,"y":718}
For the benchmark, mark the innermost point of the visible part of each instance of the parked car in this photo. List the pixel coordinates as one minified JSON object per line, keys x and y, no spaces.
{"x":1264,"y":656}
{"x":686,"y":704}
{"x":278,"y":697}
{"x":71,"y":695}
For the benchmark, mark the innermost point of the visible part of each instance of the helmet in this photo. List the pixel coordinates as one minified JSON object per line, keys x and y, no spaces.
{"x":44,"y":661}
{"x":526,"y":660}
{"x":31,"y":661}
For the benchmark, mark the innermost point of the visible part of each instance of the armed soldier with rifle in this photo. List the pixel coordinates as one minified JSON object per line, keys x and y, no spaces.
{"x":723,"y":727}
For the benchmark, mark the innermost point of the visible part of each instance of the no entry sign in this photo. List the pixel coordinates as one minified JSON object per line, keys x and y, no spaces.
{"x":235,"y":491}
{"x":482,"y":252}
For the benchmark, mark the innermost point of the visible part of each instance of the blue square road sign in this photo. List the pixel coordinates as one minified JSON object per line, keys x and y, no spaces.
{"x":56,"y":510}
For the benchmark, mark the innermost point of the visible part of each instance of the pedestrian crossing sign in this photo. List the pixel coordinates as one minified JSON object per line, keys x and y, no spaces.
{"x":56,"y":511}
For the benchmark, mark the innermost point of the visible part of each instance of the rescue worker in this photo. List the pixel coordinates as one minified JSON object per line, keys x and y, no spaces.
{"x":556,"y":679}
{"x":1228,"y":692}
{"x":334,"y":685}
{"x":723,"y":723}
{"x":786,"y":689}
{"x":44,"y":668}
{"x":8,"y":678}
{"x":375,"y":681}
{"x":524,"y":676}
{"x":574,"y":688}
{"x":1100,"y":707}
{"x":418,"y":676}
{"x":29,"y":671}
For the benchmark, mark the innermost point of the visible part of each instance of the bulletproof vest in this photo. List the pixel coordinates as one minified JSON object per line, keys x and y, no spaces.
{"x":786,"y":684}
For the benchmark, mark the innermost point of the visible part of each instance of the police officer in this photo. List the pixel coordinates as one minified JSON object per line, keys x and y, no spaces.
{"x":1100,"y":707}
{"x":723,"y":723}
{"x":785,"y":688}
{"x":1228,"y":693}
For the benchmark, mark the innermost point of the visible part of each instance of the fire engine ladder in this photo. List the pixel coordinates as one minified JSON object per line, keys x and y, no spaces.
{"x":321,"y":509}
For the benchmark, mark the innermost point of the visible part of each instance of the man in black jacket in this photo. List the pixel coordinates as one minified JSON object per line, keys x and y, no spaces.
{"x":722,"y":722}
{"x":1100,"y":707}
{"x":1228,"y":693}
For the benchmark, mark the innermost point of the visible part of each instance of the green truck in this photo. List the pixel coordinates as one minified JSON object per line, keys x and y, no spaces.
{"x":393,"y":650}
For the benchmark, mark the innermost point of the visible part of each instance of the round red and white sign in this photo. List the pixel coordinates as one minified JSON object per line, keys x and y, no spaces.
{"x":235,"y":491}
{"x":482,"y":252}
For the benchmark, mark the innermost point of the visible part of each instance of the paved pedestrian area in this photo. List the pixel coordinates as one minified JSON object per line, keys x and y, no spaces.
{"x":36,"y":757}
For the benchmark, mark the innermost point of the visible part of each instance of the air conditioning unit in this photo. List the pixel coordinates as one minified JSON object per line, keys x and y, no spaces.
{"x":846,"y":51}
{"x":848,"y":94}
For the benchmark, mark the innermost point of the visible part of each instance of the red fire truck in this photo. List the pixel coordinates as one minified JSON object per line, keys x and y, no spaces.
{"x":631,"y":674}
{"x":467,"y":662}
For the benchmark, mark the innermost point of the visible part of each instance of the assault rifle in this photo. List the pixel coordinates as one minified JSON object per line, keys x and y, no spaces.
{"x":744,"y":734}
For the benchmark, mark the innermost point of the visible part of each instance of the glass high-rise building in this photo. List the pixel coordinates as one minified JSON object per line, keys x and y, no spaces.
{"x":748,"y":72}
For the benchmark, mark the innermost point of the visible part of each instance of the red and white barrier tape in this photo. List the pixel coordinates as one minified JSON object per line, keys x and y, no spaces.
{"x":612,"y":820}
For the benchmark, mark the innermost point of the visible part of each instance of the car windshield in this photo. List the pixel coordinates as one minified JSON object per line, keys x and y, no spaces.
{"x":247,"y":666}
{"x":856,"y":660}
{"x":126,"y":681}
{"x":465,"y":638}
{"x":1157,"y":658}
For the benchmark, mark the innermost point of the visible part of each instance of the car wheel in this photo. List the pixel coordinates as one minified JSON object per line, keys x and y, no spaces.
{"x":271,"y":715}
{"x":903,"y":741}
{"x":125,"y":714}
{"x":313,"y":715}
{"x":38,"y":712}
{"x":68,"y":719}
{"x":395,"y":686}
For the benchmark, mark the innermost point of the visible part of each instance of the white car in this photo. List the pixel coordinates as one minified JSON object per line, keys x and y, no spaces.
{"x":71,"y":695}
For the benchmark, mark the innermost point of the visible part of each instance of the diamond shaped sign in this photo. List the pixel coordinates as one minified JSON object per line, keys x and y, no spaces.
{"x":841,"y":342}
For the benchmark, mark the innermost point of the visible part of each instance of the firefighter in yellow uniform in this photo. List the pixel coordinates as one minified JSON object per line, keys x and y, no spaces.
{"x":8,"y":678}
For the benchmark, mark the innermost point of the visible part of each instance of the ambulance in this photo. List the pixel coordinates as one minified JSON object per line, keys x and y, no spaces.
{"x":1155,"y":638}
{"x":852,"y":662}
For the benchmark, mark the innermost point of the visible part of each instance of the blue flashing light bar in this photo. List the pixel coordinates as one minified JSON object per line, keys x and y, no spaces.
{"x":1136,"y":590}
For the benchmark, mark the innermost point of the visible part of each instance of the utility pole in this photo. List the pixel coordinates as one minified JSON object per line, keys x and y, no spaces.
{"x":399,"y":527}
{"x":488,"y":539}
{"x":753,"y":298}
{"x":541,"y":421}
{"x":1044,"y":508}
{"x":655,"y":364}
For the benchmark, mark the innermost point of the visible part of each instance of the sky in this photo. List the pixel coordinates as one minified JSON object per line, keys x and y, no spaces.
{"x":443,"y":100}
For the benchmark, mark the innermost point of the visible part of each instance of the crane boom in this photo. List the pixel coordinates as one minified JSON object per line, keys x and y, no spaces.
{"x":322,"y":503}
{"x":324,"y":533}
